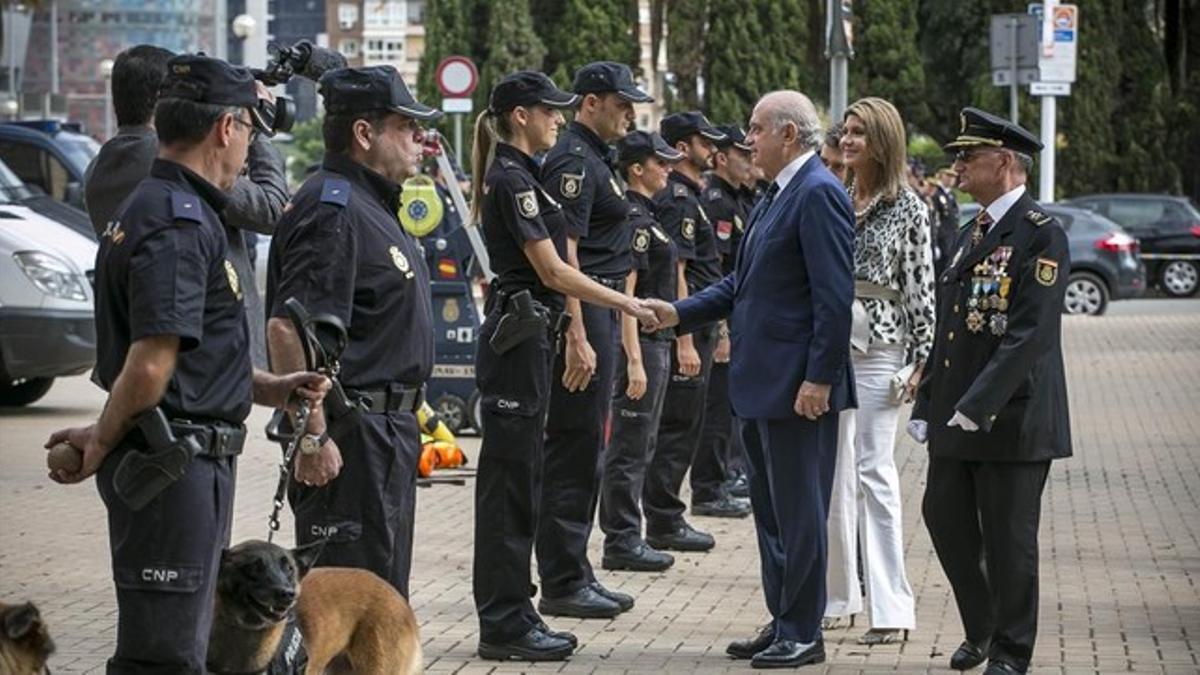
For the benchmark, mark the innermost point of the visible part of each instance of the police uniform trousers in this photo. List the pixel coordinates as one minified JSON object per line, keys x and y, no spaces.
{"x":865,"y":504}
{"x":718,"y":459}
{"x":165,"y":559}
{"x":791,"y":463}
{"x":515,"y":392}
{"x":678,"y":438}
{"x":366,"y":512}
{"x":574,"y":444}
{"x":983,"y":519}
{"x":631,"y":444}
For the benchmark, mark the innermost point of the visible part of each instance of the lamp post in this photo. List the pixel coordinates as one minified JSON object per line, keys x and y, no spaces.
{"x":106,"y":68}
{"x":244,"y":27}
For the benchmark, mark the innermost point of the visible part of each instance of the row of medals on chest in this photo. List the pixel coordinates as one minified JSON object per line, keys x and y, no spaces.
{"x":990,"y":287}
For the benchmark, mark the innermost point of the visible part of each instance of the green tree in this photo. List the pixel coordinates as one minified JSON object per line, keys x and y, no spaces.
{"x":751,"y":50}
{"x":685,"y":53}
{"x":887,"y":60}
{"x":509,"y":44}
{"x":591,"y":30}
{"x":307,"y":147}
{"x":446,"y":34}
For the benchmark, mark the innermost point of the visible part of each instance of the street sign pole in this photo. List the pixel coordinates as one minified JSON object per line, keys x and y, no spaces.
{"x":1046,"y":174}
{"x":1013,"y":113}
{"x":838,"y":49}
{"x":457,"y":78}
{"x":458,"y":144}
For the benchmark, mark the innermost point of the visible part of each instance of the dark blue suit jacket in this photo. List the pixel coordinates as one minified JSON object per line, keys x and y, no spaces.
{"x":788,"y":299}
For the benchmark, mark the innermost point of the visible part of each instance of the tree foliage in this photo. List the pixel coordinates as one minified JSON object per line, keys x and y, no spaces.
{"x":591,"y":30}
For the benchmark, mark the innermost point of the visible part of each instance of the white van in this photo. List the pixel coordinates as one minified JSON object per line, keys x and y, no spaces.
{"x":47,"y":328}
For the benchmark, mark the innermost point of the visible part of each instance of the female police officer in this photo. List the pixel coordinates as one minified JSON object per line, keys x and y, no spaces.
{"x":523,"y":229}
{"x":645,"y":160}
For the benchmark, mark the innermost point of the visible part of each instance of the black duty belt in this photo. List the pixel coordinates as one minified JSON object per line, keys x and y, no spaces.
{"x":615,"y":283}
{"x":393,"y":398}
{"x":216,"y":439}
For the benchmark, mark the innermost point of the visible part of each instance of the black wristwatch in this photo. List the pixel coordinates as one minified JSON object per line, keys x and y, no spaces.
{"x":311,"y":444}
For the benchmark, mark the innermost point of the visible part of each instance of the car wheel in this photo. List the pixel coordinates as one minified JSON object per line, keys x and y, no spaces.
{"x":1086,"y":294}
{"x":453,"y":411}
{"x":24,"y":392}
{"x":1179,"y":278}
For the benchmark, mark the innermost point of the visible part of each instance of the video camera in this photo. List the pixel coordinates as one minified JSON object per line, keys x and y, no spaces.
{"x":304,"y":59}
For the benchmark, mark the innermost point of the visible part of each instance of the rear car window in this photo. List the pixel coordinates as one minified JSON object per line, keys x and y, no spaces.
{"x":1136,"y":214}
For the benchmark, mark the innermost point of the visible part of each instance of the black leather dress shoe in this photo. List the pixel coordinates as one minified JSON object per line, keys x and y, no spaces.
{"x":641,"y":558}
{"x":684,"y":538}
{"x":745,"y":649}
{"x":968,"y":655}
{"x":739,"y":487}
{"x":623,"y":600}
{"x":789,"y":654}
{"x":584,"y":603}
{"x":1001,"y":668}
{"x":532,"y":646}
{"x":724,"y":507}
{"x":560,"y":634}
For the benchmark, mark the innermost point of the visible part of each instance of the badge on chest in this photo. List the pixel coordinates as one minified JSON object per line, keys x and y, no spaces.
{"x":400,"y":261}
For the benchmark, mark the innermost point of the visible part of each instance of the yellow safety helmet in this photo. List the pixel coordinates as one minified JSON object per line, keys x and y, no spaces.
{"x":420,"y":206}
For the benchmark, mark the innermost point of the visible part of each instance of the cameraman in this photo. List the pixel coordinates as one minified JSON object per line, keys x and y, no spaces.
{"x":254,"y":204}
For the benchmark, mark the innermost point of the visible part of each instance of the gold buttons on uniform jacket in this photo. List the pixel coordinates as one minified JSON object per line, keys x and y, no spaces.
{"x":956,"y":309}
{"x":947,"y":363}
{"x":950,"y":337}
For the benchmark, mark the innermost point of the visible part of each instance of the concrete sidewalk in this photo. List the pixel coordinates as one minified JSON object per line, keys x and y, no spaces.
{"x":1120,"y":555}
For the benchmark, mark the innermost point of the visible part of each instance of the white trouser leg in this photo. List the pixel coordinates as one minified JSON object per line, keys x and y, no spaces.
{"x":843,"y":595}
{"x":889,"y":597}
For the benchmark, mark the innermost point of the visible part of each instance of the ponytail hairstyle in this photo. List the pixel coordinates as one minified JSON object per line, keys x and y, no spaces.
{"x":490,"y":127}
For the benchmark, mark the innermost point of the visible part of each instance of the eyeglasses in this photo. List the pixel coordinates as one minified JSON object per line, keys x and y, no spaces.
{"x":968,"y":156}
{"x":253,"y":129}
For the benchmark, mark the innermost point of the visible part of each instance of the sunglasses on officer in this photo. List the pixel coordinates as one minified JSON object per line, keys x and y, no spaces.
{"x":970,"y":155}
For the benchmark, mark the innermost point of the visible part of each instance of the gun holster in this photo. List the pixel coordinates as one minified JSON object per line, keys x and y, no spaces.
{"x":523,"y":319}
{"x":141,"y":476}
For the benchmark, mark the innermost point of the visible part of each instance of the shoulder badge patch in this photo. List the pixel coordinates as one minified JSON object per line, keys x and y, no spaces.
{"x":688,"y":228}
{"x":335,"y":191}
{"x":186,"y":206}
{"x":232,"y":276}
{"x":1037,"y":218}
{"x":570,"y":185}
{"x":400,"y":261}
{"x":1046,"y":272}
{"x":679,"y":190}
{"x":724,"y":229}
{"x":641,"y":241}
{"x":527,"y":204}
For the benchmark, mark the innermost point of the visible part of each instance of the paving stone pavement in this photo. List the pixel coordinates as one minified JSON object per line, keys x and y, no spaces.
{"x":1120,"y":556}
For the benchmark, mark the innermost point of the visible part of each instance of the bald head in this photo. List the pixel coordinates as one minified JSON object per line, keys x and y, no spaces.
{"x":783,"y":126}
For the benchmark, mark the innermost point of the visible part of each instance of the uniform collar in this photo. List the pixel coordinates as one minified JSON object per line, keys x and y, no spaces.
{"x":641,"y":200}
{"x":600,"y":147}
{"x":1004,"y":202}
{"x":380,"y":187}
{"x":684,"y":180}
{"x":512,"y":153}
{"x":178,"y":173}
{"x":715,"y":181}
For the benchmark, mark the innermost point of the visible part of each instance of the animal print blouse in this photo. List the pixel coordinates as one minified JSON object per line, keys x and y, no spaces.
{"x":892,"y":249}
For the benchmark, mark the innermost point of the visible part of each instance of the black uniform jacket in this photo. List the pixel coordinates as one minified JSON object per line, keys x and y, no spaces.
{"x":997,"y":356}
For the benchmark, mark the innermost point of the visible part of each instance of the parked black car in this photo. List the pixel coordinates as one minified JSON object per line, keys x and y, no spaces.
{"x":1168,"y":230}
{"x":1105,"y":264}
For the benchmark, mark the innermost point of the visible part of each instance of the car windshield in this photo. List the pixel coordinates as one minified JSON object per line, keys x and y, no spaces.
{"x":79,"y":149}
{"x":11,"y":187}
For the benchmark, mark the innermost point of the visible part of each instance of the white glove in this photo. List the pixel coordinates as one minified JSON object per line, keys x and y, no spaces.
{"x":918,"y":430}
{"x":961,"y":421}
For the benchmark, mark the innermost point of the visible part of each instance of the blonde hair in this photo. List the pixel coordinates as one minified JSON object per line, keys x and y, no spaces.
{"x":887,"y":143}
{"x":489,"y":128}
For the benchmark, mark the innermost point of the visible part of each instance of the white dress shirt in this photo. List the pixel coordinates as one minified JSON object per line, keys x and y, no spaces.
{"x":785,"y":176}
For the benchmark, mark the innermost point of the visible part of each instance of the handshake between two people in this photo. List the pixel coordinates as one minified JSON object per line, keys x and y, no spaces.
{"x":652,"y":314}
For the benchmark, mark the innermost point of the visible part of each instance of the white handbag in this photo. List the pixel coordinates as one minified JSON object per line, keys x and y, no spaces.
{"x":899,"y":383}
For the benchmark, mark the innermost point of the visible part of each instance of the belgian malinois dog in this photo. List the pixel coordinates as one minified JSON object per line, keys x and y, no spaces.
{"x":24,"y":642}
{"x":348,"y":614}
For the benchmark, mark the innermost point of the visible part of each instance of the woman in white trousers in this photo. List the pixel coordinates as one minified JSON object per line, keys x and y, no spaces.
{"x":893,"y":334}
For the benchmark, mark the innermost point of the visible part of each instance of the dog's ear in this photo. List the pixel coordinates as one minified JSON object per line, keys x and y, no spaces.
{"x":306,"y":555}
{"x":19,"y":620}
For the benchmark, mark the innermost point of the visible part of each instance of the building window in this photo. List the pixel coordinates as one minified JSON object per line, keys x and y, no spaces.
{"x":384,"y":51}
{"x":347,"y":15}
{"x":385,"y":14}
{"x":348,"y":48}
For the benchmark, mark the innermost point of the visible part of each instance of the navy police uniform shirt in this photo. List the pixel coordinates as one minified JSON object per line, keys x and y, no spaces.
{"x":163,"y":269}
{"x":339,"y":249}
{"x":516,"y":211}
{"x":578,"y":174}
{"x":685,"y":220}
{"x":724,"y":207}
{"x":654,"y":253}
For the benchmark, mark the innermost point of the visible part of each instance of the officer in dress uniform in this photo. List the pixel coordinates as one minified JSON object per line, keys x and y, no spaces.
{"x":945,"y":220}
{"x":993,"y":402}
{"x":685,"y":219}
{"x":340,"y":250}
{"x":718,"y":473}
{"x":172,"y":335}
{"x":578,"y":173}
{"x":644,"y":160}
{"x":525,"y":230}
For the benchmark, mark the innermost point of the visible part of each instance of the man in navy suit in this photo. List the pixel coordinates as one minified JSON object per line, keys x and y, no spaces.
{"x":788,"y":301}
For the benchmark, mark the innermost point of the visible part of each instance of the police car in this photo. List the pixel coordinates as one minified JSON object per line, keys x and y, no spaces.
{"x":49,"y":155}
{"x":47,"y":328}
